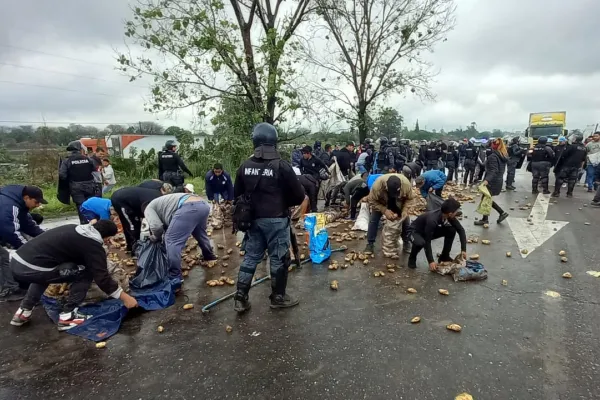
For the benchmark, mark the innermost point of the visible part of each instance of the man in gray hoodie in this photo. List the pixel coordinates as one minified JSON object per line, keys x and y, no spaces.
{"x":178,"y":216}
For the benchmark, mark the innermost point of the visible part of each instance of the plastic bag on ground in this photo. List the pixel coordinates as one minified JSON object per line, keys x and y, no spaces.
{"x":449,"y":267}
{"x":318,"y":245}
{"x":472,"y":271}
{"x":362,"y":221}
{"x":153,"y":265}
{"x":485,"y":205}
{"x":434,"y":202}
{"x":391,"y":238}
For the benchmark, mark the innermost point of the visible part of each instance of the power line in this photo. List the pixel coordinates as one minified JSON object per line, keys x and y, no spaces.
{"x":55,"y":55}
{"x":69,"y":74}
{"x":57,"y":88}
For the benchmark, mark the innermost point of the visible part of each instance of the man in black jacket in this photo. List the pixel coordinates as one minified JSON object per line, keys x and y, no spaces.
{"x":541,"y":162}
{"x":432,"y":156}
{"x":171,"y":166}
{"x":514,"y":156}
{"x":273,"y":188}
{"x":345,"y":158}
{"x":78,"y":171}
{"x":567,"y":166}
{"x":450,"y":159}
{"x":69,"y":253}
{"x":470,"y":163}
{"x":311,"y":165}
{"x":433,"y":225}
{"x":128,"y":202}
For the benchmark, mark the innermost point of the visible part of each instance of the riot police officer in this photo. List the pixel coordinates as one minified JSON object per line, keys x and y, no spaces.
{"x":470,"y":162}
{"x":432,"y":156}
{"x":422,"y":151}
{"x":541,"y":161}
{"x":78,"y":171}
{"x":399,"y":159}
{"x":171,"y":166}
{"x":515,"y":153}
{"x":385,"y":156}
{"x":568,"y":165}
{"x":450,"y":158}
{"x":265,"y":188}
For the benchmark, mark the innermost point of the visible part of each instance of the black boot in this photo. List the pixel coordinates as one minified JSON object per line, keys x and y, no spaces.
{"x":555,"y":194}
{"x":241,"y":303}
{"x":482,"y":221}
{"x":283,"y":301}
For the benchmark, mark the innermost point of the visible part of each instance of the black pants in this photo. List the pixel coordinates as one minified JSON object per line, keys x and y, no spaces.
{"x":469,"y":172}
{"x":511,"y":169}
{"x":432,"y":165}
{"x":355,"y":199}
{"x":7,"y":281}
{"x":130,"y":220}
{"x":568,"y":174}
{"x":438,"y":192}
{"x":418,"y":241}
{"x":481,"y":172}
{"x":80,"y":192}
{"x":540,"y":171}
{"x":451,"y":165}
{"x":332,"y":195}
{"x":175,"y":179}
{"x":496,"y":207}
{"x":80,"y":278}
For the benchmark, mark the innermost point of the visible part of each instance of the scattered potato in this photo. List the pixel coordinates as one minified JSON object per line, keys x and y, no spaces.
{"x":345,"y":266}
{"x":486,"y":226}
{"x":443,"y":292}
{"x":220,"y":247}
{"x":474,"y":257}
{"x":504,"y":282}
{"x":100,"y":345}
{"x":484,"y":241}
{"x":567,"y":275}
{"x":454,"y":327}
{"x":376,"y":274}
{"x":411,"y":290}
{"x":160,"y":329}
{"x":188,"y":306}
{"x":562,"y":253}
{"x":464,"y":396}
{"x":564,"y":259}
{"x":524,"y":251}
{"x":415,"y":320}
{"x":334,"y":285}
{"x":366,"y":261}
{"x":228,"y":329}
{"x":302,"y":256}
{"x":508,"y":254}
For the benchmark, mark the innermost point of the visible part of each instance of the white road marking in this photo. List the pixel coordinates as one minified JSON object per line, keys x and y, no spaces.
{"x":530,"y":237}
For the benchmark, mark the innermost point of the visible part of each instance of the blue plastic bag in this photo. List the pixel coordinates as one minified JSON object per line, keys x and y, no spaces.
{"x":319,"y":245}
{"x":472,"y":271}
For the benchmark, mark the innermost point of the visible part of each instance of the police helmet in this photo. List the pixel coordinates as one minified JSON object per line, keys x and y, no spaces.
{"x":515,"y":140}
{"x":542,"y":140}
{"x":394,"y":141}
{"x":75,"y":145}
{"x":264,"y":134}
{"x":423,"y":142}
{"x":170,"y":145}
{"x":383,"y":141}
{"x":578,"y":139}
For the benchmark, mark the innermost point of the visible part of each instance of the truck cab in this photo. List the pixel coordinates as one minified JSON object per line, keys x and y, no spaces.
{"x":550,"y":125}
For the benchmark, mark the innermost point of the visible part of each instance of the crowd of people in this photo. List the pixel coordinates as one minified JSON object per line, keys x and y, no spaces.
{"x":265,"y":189}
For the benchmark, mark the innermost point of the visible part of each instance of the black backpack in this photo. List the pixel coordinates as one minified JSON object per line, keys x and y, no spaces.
{"x":243,"y":208}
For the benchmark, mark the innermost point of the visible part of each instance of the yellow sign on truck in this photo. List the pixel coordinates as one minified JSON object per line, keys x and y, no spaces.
{"x":549,"y":124}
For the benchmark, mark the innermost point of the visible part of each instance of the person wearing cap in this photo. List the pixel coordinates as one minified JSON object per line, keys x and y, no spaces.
{"x":436,"y":224}
{"x":67,"y":254}
{"x":78,"y":170}
{"x":189,"y":188}
{"x":16,"y":222}
{"x":311,"y":165}
{"x":346,"y":158}
{"x":390,"y":196}
{"x":218,"y":184}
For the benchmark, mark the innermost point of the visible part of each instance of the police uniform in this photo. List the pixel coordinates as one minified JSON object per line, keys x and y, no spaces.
{"x":567,"y":167}
{"x":541,"y":161}
{"x":78,"y":171}
{"x":514,"y":156}
{"x":470,"y":161}
{"x":170,"y":167}
{"x":385,"y":159}
{"x":273,"y":187}
{"x":432,"y":155}
{"x":451,"y":159}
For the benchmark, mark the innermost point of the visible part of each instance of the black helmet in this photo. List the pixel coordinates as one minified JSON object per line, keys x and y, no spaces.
{"x":383,"y":141}
{"x":542,"y":140}
{"x":394,"y":141}
{"x":75,"y":146}
{"x":578,"y":139}
{"x":515,"y":140}
{"x":170,"y":144}
{"x":264,"y":133}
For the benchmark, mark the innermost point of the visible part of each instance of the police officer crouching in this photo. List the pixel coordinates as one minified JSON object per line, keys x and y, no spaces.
{"x":78,"y":171}
{"x":265,"y":188}
{"x":171,"y":166}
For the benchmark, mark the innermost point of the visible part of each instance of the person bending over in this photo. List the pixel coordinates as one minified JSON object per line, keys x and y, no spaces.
{"x":431,"y":181}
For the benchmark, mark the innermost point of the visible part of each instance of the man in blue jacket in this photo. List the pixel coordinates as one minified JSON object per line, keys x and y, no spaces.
{"x":15,"y":203}
{"x":218,"y":184}
{"x":433,"y":180}
{"x":96,"y":208}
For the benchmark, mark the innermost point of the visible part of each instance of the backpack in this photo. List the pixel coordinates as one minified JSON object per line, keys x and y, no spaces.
{"x":243,"y":208}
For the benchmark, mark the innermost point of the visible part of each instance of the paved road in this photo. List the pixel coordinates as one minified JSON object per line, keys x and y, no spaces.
{"x":517,"y":343}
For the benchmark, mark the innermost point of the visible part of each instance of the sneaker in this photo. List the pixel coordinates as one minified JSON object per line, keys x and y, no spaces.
{"x":72,"y":319}
{"x":21,"y":317}
{"x":370,"y":247}
{"x":286,"y":301}
{"x":9,"y":295}
{"x":555,"y":194}
{"x":595,"y":203}
{"x":407,"y":247}
{"x":502,"y":217}
{"x":241,"y":303}
{"x":546,"y":191}
{"x":510,"y":187}
{"x":481,"y":222}
{"x":569,"y":195}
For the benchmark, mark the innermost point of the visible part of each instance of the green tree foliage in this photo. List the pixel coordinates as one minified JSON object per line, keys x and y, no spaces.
{"x":375,"y":47}
{"x":216,"y":49}
{"x":388,"y":123}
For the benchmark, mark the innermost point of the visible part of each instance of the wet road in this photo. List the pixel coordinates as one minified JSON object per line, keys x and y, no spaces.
{"x":357,"y":342}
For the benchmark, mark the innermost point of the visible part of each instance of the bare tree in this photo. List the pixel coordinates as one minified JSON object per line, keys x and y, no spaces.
{"x":215,"y":49}
{"x":375,"y":46}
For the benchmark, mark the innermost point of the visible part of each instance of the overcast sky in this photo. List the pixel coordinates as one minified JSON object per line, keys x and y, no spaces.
{"x":505,"y":59}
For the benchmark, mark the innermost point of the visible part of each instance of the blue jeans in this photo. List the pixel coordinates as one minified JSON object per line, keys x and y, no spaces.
{"x":190,"y":219}
{"x":217,"y":197}
{"x":591,"y":173}
{"x":273,"y":235}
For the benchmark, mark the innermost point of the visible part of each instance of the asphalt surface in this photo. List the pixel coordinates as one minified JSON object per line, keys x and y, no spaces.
{"x":354,"y":343}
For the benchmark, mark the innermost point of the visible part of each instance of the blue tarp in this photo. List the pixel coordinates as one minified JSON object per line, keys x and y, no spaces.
{"x":108,"y":314}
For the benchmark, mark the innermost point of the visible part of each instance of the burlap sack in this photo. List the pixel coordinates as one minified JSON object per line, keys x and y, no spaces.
{"x":391,"y":238}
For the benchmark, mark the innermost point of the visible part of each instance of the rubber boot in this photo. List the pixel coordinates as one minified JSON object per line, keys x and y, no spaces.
{"x":241,"y":303}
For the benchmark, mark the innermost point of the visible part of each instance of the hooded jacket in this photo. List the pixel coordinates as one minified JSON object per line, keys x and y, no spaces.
{"x":495,"y":166}
{"x":15,"y":218}
{"x":81,"y":245}
{"x":221,"y":185}
{"x":433,"y":179}
{"x":378,"y":197}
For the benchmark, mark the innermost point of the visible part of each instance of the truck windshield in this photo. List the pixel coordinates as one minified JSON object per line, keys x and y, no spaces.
{"x":548,"y":131}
